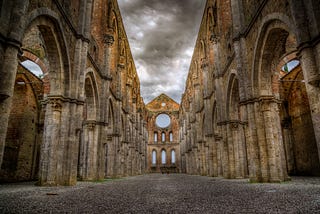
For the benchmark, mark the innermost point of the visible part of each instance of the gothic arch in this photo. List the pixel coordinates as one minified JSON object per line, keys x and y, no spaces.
{"x":48,"y":24}
{"x":28,"y":55}
{"x":202,"y":53}
{"x":91,"y":96}
{"x":115,"y":48}
{"x":49,"y":44}
{"x":214,"y":117}
{"x":210,"y":23}
{"x":272,"y":36}
{"x":90,"y":101}
{"x":89,"y":146}
{"x":269,"y":49}
{"x":233,"y":98}
{"x":111,"y":116}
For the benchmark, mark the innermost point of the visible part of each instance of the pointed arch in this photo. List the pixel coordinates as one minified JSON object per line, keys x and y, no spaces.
{"x":91,"y":96}
{"x":233,"y":97}
{"x":111,"y":116}
{"x":48,"y":24}
{"x":214,"y":117}
{"x":202,"y":53}
{"x":272,"y":36}
{"x":270,"y":47}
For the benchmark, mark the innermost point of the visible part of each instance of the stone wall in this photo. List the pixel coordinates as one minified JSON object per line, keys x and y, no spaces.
{"x":232,"y":108}
{"x":163,"y":139}
{"x":93,"y":117}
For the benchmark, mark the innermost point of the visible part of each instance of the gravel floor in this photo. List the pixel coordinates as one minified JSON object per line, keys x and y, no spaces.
{"x":157,"y":193}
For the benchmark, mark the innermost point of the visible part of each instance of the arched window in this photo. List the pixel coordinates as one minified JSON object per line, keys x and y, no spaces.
{"x":173,"y":157}
{"x":171,"y":136}
{"x":33,"y":67}
{"x":288,"y":67}
{"x":163,"y":137}
{"x":154,"y":157}
{"x":163,"y":156}
{"x":155,"y":137}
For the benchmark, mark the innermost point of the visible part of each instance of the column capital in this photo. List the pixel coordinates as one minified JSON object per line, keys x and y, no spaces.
{"x":56,"y":104}
{"x":108,"y":39}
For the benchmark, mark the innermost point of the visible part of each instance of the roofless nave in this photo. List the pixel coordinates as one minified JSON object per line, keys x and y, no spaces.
{"x":250,"y":108}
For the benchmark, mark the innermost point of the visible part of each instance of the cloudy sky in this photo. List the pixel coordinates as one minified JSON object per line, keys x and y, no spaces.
{"x":162,"y":35}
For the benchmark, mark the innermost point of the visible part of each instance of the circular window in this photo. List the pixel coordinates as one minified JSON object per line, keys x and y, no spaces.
{"x":163,"y":120}
{"x":163,"y":104}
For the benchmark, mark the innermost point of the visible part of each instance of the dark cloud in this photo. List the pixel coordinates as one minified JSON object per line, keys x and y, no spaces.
{"x":162,"y":36}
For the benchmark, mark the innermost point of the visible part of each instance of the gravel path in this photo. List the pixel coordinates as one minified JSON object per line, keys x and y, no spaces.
{"x":157,"y":193}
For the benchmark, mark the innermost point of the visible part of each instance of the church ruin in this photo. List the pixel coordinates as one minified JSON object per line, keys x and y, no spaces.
{"x":251,"y":107}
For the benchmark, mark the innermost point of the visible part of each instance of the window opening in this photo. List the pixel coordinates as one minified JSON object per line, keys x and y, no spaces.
{"x":173,"y":157}
{"x":154,"y":157}
{"x":163,"y":157}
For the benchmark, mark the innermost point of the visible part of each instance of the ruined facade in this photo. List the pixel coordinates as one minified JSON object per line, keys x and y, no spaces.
{"x":163,"y":130}
{"x":83,"y":117}
{"x":251,"y":104}
{"x":251,"y":107}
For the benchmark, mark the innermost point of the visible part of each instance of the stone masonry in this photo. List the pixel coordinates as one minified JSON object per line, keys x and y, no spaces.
{"x":244,"y":113}
{"x":86,"y":121}
{"x":251,"y":106}
{"x":163,"y":142}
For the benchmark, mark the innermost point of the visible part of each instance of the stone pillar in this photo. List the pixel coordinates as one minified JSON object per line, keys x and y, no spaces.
{"x":309,"y":57}
{"x":201,"y":158}
{"x":110,"y":156}
{"x":311,"y":74}
{"x":132,"y":159}
{"x":231,"y":151}
{"x":253,"y":149}
{"x":90,"y":151}
{"x":215,"y":158}
{"x":210,"y":157}
{"x":7,"y":81}
{"x":189,"y":162}
{"x":8,"y":66}
{"x":220,"y":157}
{"x":108,"y":41}
{"x":186,"y":155}
{"x":48,"y":171}
{"x":225,"y":159}
{"x":238,"y":149}
{"x":116,"y":155}
{"x":206,"y":159}
{"x":273,"y":142}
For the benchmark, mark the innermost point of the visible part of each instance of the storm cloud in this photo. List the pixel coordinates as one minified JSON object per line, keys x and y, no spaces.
{"x":162,"y":37}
